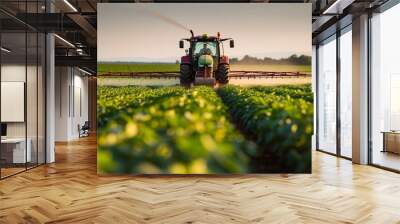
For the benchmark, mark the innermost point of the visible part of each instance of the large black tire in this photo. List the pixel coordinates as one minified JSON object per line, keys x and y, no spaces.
{"x":186,"y":77}
{"x":222,"y":74}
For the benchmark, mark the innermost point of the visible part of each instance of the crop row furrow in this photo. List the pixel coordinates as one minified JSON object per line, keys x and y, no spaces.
{"x":280,"y":124}
{"x":297,"y":92}
{"x":113,"y":100}
{"x":184,"y":133}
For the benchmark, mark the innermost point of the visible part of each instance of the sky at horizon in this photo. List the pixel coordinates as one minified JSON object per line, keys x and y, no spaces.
{"x":150,"y":32}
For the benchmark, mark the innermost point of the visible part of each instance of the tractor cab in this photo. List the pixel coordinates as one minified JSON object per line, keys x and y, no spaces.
{"x":205,"y":59}
{"x":205,"y":47}
{"x":205,"y":55}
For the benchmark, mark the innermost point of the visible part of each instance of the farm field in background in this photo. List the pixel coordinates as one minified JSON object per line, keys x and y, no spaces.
{"x":127,"y":81}
{"x":201,"y":130}
{"x":165,"y":67}
{"x":270,"y":81}
{"x":170,"y":67}
{"x":272,"y":68}
{"x":137,"y":67}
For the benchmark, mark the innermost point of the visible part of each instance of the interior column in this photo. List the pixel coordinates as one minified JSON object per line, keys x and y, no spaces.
{"x":360,"y":90}
{"x":50,"y":92}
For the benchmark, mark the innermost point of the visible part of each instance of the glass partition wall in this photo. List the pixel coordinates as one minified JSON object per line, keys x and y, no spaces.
{"x":345,"y":61}
{"x":385,"y":89}
{"x":334,"y":86}
{"x":334,"y":93}
{"x":13,"y":85}
{"x":327,"y":95}
{"x":22,"y":98}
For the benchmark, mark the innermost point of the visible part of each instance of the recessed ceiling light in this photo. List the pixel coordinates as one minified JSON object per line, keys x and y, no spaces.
{"x":5,"y":50}
{"x":337,"y":7}
{"x":64,"y":40}
{"x":86,"y":72}
{"x":328,"y":10}
{"x":70,"y":5}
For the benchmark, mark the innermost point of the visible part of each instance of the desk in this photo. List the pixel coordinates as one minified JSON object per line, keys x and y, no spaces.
{"x":391,"y":141}
{"x":15,"y":148}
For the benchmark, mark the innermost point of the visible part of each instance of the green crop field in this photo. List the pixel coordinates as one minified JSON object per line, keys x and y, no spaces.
{"x":169,"y":67}
{"x":137,"y":67}
{"x":202,"y":130}
{"x":273,"y":68}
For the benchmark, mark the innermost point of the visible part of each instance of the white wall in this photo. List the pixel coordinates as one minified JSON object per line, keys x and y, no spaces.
{"x":71,"y":102}
{"x":62,"y":82}
{"x":13,"y":72}
{"x":80,"y":110}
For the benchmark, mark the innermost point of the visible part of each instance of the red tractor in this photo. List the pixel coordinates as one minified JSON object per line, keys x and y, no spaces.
{"x":204,"y":62}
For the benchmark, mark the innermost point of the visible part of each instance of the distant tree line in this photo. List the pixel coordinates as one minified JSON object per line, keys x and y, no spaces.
{"x":292,"y":60}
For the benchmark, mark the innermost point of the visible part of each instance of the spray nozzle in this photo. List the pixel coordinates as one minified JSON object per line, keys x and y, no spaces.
{"x":191,"y":32}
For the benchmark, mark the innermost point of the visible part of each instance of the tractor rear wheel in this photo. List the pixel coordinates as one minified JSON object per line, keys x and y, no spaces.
{"x":222,"y":74}
{"x":186,"y":77}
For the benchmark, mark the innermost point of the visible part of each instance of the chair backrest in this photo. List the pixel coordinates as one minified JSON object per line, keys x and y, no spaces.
{"x":86,"y":124}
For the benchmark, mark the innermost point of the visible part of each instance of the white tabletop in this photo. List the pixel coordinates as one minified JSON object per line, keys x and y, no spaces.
{"x":13,"y":140}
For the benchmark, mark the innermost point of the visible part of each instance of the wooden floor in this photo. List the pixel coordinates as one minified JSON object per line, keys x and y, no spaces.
{"x":5,"y":172}
{"x":70,"y":191}
{"x":387,"y":159}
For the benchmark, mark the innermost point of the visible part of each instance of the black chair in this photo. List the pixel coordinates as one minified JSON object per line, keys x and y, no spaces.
{"x":84,"y":130}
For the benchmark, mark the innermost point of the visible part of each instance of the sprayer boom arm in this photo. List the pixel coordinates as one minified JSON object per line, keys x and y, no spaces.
{"x":224,"y":39}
